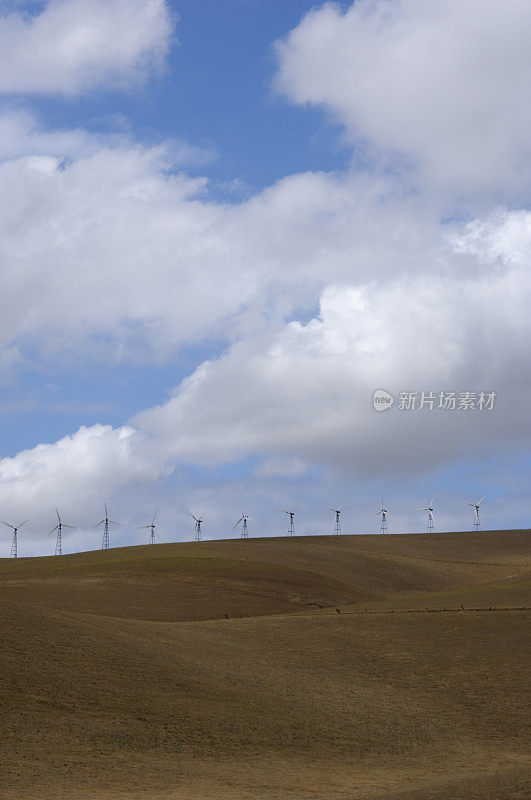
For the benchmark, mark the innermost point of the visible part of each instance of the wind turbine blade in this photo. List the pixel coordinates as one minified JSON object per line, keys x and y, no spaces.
{"x":340,"y":507}
{"x":106,"y":512}
{"x":237,"y":523}
{"x":68,"y":526}
{"x":58,"y":515}
{"x":332,"y":509}
{"x":480,"y":501}
{"x":423,"y":509}
{"x":377,"y":513}
{"x":431,"y":502}
{"x":53,"y":529}
{"x":192,"y":516}
{"x":114,"y":523}
{"x":154,"y":515}
{"x":294,"y":507}
{"x":8,"y":525}
{"x":469,"y":504}
{"x":141,"y":527}
{"x":285,"y":512}
{"x":98,"y":523}
{"x":22,"y":523}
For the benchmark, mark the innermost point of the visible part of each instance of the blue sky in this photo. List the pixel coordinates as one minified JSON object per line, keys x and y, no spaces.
{"x":225,"y":225}
{"x":216,"y":93}
{"x":249,"y":136}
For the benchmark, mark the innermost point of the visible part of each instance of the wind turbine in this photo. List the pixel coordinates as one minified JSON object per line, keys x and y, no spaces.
{"x":151,"y":525}
{"x":429,"y":509}
{"x":106,"y":522}
{"x":385,"y":513}
{"x":337,"y":524}
{"x":14,"y":541}
{"x":291,"y":514}
{"x":197,"y":528}
{"x":243,"y":518}
{"x":59,"y":528}
{"x":475,"y":506}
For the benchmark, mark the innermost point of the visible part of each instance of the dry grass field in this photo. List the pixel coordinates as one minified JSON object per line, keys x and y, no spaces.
{"x":123,"y":678}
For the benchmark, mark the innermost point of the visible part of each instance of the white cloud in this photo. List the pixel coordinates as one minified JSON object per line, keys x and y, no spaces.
{"x":301,"y":396}
{"x":441,"y":86}
{"x":305,"y":392}
{"x":21,"y":135}
{"x":73,"y":46}
{"x":105,"y":247}
{"x":158,"y":264}
{"x":76,"y":473}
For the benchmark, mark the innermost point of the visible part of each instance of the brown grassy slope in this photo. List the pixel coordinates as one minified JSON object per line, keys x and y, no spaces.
{"x":379,"y":700}
{"x":311,"y":704}
{"x":178,"y":582}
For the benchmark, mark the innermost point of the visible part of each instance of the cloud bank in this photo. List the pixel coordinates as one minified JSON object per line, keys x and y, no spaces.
{"x":319,"y":289}
{"x":439,"y":87}
{"x":74,"y":46}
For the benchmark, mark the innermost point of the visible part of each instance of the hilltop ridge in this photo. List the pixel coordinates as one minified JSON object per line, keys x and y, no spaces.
{"x":305,"y":667}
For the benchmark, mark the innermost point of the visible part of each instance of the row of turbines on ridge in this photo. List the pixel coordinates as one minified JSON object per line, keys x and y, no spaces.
{"x":198,"y":522}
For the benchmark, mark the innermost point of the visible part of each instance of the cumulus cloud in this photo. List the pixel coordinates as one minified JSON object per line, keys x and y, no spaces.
{"x":442,"y":87}
{"x":140,"y":242}
{"x":73,"y":46}
{"x":76,"y":472}
{"x":306,"y":391}
{"x":123,"y":227}
{"x":108,"y":245}
{"x":300,"y":396}
{"x":21,"y":136}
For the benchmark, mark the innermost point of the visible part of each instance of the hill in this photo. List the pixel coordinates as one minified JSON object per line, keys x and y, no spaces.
{"x":123,"y":677}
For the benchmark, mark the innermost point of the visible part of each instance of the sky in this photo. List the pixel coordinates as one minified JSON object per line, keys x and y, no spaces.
{"x":224,"y":226}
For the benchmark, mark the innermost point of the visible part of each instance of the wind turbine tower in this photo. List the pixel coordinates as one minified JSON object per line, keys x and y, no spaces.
{"x":198,"y":535}
{"x":430,"y":528}
{"x":14,"y":551}
{"x":243,"y":518}
{"x":385,"y":513}
{"x":152,"y":527}
{"x":337,"y":523}
{"x":291,"y":525}
{"x":106,"y":522}
{"x":59,"y":539}
{"x":475,"y":506}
